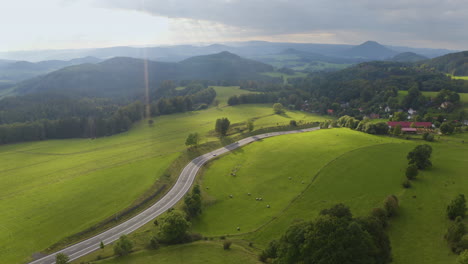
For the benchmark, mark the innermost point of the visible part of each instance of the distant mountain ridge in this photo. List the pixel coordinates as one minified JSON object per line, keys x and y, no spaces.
{"x":180,"y":52}
{"x":22,"y":70}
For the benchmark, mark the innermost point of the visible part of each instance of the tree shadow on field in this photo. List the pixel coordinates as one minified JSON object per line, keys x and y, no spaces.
{"x":284,"y":115}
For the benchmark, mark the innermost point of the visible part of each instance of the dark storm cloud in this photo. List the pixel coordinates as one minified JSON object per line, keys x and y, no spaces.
{"x":411,"y":20}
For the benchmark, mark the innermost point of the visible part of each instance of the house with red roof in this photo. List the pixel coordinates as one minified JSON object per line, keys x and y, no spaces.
{"x":411,"y":127}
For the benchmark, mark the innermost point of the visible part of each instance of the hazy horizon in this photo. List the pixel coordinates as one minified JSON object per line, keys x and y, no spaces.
{"x":65,"y":24}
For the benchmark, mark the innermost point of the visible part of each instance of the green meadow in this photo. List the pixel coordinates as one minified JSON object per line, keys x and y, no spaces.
{"x":336,"y":166}
{"x":459,"y":77}
{"x":299,"y":175}
{"x":52,"y":189}
{"x":195,"y":253}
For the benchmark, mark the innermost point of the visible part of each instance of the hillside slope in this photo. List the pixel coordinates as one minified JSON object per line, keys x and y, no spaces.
{"x":453,"y":63}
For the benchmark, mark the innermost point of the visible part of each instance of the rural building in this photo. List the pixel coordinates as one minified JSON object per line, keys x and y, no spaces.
{"x":330,"y":111}
{"x":387,"y":109}
{"x":412,"y":127}
{"x":411,"y":111}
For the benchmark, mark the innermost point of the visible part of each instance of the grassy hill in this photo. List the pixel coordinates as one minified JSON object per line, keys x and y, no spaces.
{"x":327,"y":167}
{"x":454,"y":63}
{"x":52,"y":189}
{"x":356,"y":169}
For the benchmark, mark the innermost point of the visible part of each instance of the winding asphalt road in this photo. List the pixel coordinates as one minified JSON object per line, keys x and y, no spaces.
{"x":185,"y":180}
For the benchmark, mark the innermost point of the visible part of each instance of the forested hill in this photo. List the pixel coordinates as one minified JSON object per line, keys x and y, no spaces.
{"x":124,"y":77}
{"x":222,"y":66}
{"x":453,"y":63}
{"x":408,"y":57}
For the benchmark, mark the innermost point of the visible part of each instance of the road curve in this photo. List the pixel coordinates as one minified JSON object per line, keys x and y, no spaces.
{"x":177,"y":192}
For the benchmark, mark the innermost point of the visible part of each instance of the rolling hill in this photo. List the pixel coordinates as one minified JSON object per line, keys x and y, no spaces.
{"x":124,"y":77}
{"x":369,"y":50}
{"x":408,"y":57}
{"x":453,"y":63}
{"x":21,"y":70}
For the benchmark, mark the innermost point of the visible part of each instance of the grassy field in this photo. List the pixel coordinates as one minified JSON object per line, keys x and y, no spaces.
{"x":263,"y":169}
{"x":199,"y":252}
{"x":349,"y":167}
{"x":52,"y":189}
{"x":223,"y":93}
{"x":459,"y":77}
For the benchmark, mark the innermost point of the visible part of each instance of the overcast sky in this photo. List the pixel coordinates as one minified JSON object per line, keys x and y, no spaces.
{"x":62,"y":24}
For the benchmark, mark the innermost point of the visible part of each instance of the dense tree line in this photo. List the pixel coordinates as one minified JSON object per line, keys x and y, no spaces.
{"x":30,"y":108}
{"x":73,"y":127}
{"x":40,"y":117}
{"x":180,"y":104}
{"x":334,"y":237}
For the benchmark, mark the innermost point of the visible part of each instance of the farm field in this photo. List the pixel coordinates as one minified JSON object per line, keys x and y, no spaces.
{"x":360,"y":177}
{"x":53,"y":189}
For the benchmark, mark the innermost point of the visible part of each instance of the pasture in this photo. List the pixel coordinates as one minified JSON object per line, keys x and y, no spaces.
{"x":338,"y":166}
{"x":52,"y":189}
{"x":195,"y":253}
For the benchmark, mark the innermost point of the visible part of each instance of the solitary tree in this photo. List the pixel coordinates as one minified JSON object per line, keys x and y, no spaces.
{"x":391,"y":205}
{"x":457,"y":207}
{"x":61,"y":258}
{"x":412,"y":172}
{"x":446,"y":128}
{"x":101,"y":245}
{"x":173,"y":227}
{"x":123,"y":246}
{"x":192,"y":139}
{"x":420,"y":156}
{"x":222,"y":126}
{"x":278,"y":108}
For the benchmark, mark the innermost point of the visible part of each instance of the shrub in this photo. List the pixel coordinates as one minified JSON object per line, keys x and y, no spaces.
{"x":406,"y":184}
{"x":463,"y":258}
{"x":463,"y":244}
{"x":227,"y":244}
{"x":123,"y":246}
{"x":455,"y":233}
{"x":293,"y":123}
{"x":154,"y":243}
{"x":457,"y":207}
{"x":391,"y":205}
{"x":380,"y":214}
{"x":411,"y":172}
{"x":420,"y":156}
{"x":61,"y":258}
{"x":428,"y":137}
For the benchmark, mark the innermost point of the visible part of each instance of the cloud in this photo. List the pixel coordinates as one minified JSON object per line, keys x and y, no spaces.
{"x":396,"y":21}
